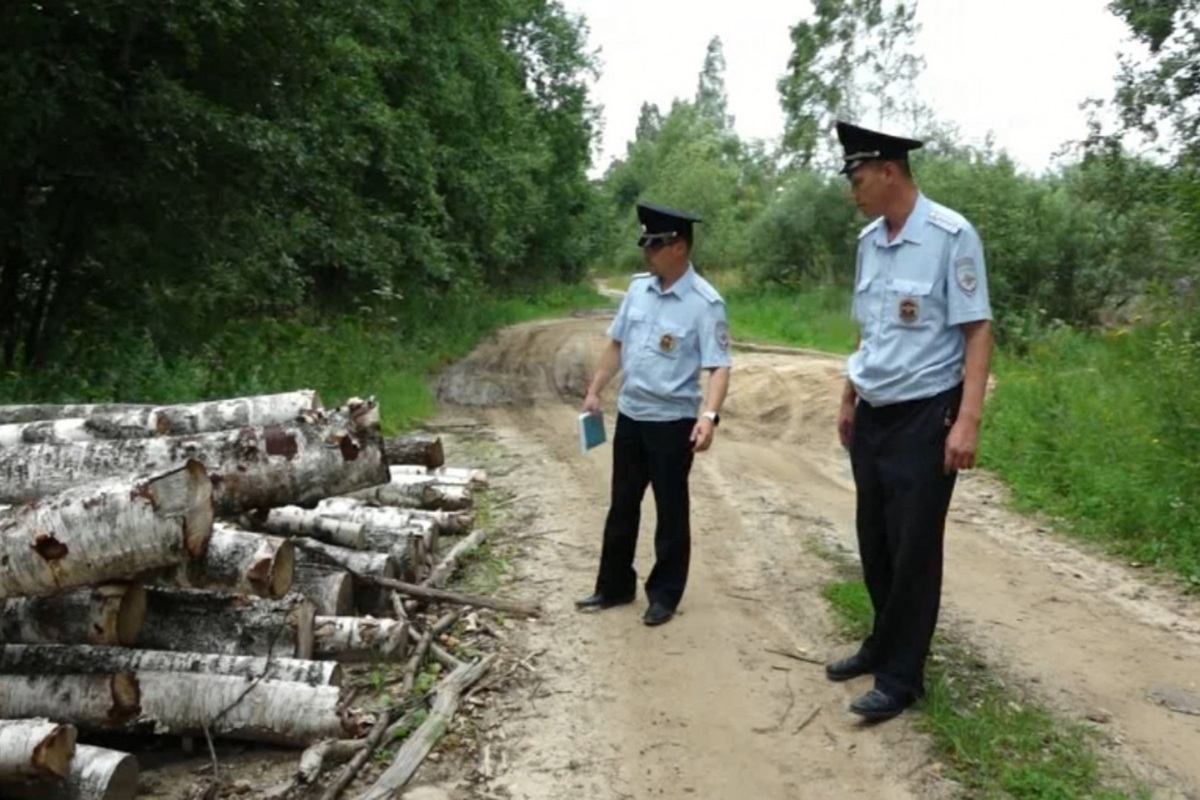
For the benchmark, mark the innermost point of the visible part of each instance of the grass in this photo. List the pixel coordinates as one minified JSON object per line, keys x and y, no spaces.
{"x":391,"y":358}
{"x":994,"y":742}
{"x":1100,"y":432}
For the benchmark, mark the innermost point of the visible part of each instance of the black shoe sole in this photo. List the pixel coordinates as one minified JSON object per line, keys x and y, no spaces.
{"x":605,"y":605}
{"x":878,"y":716}
{"x":838,"y":677}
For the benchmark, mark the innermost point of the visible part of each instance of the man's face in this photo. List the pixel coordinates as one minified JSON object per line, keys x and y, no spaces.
{"x":658,"y":255}
{"x":870,"y":185}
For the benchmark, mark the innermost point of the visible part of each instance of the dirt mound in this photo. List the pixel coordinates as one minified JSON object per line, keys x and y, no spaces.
{"x":526,"y":364}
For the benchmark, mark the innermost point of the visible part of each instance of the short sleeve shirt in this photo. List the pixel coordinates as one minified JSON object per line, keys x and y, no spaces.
{"x":911,"y":296}
{"x":667,"y":338}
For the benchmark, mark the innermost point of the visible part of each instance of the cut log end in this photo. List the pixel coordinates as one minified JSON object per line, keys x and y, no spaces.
{"x":131,"y":614}
{"x":53,"y":754}
{"x":198,"y":522}
{"x":283,"y":569}
{"x":35,"y":748}
{"x":126,"y":697}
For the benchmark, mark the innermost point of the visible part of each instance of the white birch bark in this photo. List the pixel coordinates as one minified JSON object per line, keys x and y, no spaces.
{"x":108,"y":614}
{"x":104,"y":531}
{"x":35,"y":748}
{"x":58,"y":659}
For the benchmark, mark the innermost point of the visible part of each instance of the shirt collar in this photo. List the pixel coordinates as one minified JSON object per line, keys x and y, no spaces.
{"x":680,"y":287}
{"x":914,"y":227}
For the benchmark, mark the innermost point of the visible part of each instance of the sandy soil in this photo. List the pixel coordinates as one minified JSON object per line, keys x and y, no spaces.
{"x":698,"y":707}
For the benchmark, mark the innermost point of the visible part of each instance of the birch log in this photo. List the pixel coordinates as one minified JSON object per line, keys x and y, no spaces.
{"x":57,"y":659}
{"x":351,"y":639}
{"x":106,"y":531}
{"x":348,"y":508}
{"x":15,"y":415}
{"x":178,"y":420}
{"x":331,"y":590}
{"x":251,"y":467}
{"x":191,"y":621}
{"x":183,"y":704}
{"x":35,"y":748}
{"x":296,"y":521}
{"x":109,"y":614}
{"x":97,"y":773}
{"x":419,"y":449}
{"x":237,"y":561}
{"x":423,"y":493}
{"x":448,"y":476}
{"x":368,"y":597}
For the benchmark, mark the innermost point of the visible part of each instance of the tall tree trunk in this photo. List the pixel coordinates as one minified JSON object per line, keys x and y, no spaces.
{"x":96,"y":774}
{"x":105,"y":531}
{"x":236,"y":562}
{"x":183,"y":704}
{"x":108,"y":614}
{"x":200,"y":622}
{"x":54,"y":659}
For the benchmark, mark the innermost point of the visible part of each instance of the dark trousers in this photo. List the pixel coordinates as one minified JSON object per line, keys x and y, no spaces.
{"x":898,"y":453}
{"x":658,"y":454}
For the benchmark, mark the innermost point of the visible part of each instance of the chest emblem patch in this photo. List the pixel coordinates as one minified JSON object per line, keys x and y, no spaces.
{"x":909,"y":310}
{"x":667,"y":343}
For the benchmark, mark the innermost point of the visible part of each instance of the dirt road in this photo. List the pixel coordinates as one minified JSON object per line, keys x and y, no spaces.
{"x":698,"y":708}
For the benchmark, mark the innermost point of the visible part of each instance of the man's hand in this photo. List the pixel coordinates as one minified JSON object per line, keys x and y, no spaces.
{"x":961,"y":445}
{"x":845,"y":422}
{"x":591,"y":403}
{"x":702,"y":435}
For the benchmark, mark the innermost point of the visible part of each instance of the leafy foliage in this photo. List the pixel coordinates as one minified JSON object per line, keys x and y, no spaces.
{"x":167,"y":167}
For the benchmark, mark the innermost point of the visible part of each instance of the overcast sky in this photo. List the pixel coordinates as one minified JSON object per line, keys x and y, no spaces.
{"x":1019,"y":68}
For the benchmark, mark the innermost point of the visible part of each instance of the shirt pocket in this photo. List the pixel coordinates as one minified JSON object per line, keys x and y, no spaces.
{"x":635,"y":326}
{"x":669,"y":340}
{"x":912,"y":301}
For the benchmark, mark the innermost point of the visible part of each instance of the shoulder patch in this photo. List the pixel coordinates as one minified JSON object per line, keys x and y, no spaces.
{"x":706,"y":290}
{"x":640,"y":275}
{"x":874,"y":224}
{"x":947,"y":220}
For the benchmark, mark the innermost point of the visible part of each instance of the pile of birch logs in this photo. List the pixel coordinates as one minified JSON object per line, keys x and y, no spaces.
{"x":206,"y":571}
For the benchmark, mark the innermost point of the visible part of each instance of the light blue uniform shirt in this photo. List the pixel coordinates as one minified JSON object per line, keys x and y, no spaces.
{"x":911,"y":295}
{"x":666,"y":339}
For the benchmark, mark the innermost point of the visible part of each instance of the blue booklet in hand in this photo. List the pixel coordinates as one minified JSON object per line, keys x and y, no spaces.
{"x":591,"y":431}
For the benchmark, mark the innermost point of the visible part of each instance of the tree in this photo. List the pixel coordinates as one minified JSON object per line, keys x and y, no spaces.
{"x":711,"y":100}
{"x":852,"y":60}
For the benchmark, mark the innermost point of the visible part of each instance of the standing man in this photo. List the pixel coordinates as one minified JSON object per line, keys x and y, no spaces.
{"x":911,"y":408}
{"x":671,"y":325}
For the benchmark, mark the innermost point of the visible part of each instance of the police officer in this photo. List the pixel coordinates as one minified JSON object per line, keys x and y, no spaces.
{"x":911,"y":407}
{"x":670,"y":326}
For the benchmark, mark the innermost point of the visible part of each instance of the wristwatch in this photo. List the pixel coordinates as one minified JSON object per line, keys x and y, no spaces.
{"x":714,"y":416}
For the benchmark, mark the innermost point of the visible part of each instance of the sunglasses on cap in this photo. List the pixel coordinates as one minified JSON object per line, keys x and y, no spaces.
{"x":655,"y":241}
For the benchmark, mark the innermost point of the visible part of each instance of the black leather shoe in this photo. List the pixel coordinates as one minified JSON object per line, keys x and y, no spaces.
{"x":599,"y":602}
{"x":657,"y":614}
{"x":847,"y":668}
{"x":876,"y":706}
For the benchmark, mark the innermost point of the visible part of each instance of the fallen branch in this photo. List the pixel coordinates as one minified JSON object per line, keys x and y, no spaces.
{"x":807,"y":720}
{"x":796,"y":656}
{"x":450,"y":563}
{"x":422,"y":741}
{"x":443,"y":596}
